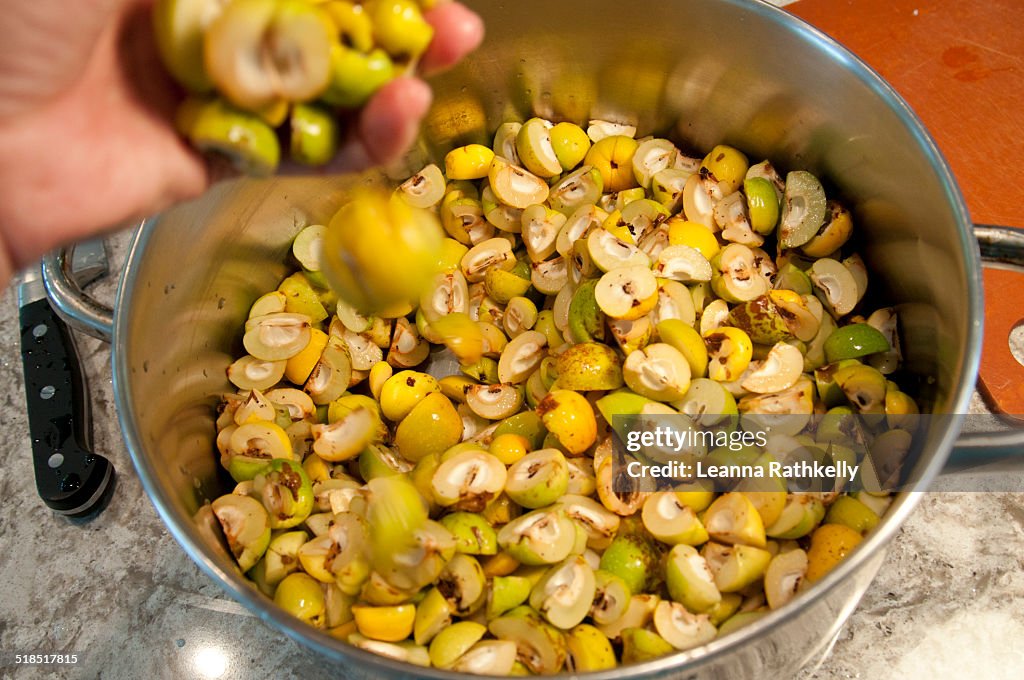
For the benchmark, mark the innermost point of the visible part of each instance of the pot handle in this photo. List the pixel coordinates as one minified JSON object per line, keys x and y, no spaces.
{"x":77,"y":309}
{"x":977,"y":447}
{"x":1000,"y":375}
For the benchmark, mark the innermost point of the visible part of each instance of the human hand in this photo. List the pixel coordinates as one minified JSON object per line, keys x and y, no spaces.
{"x":87,"y":140}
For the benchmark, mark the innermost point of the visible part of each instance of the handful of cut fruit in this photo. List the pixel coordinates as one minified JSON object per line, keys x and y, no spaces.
{"x":265,"y":72}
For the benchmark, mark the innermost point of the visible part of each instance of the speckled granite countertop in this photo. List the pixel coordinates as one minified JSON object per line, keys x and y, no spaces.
{"x":122,"y":594}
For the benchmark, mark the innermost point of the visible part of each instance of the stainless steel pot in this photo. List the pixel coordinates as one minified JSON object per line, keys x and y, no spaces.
{"x":703,"y":72}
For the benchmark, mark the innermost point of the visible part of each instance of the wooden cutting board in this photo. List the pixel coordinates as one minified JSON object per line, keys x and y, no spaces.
{"x":960,"y":65}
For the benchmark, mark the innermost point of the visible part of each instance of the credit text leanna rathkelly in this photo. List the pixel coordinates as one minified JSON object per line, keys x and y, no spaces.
{"x":700,"y":470}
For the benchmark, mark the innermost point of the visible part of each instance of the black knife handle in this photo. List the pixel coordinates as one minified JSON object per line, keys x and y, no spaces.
{"x":70,"y":478}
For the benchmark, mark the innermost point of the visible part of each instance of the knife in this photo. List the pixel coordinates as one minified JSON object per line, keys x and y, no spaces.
{"x":71,"y":479}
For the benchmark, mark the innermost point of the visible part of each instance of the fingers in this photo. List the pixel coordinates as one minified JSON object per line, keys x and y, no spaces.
{"x":384,"y":130}
{"x":457,"y":32}
{"x":390,"y":122}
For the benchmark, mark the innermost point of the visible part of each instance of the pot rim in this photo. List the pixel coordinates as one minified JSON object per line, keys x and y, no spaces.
{"x":340,"y":651}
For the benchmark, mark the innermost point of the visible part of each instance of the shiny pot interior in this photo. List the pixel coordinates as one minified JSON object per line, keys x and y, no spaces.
{"x":698,"y":71}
